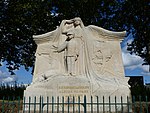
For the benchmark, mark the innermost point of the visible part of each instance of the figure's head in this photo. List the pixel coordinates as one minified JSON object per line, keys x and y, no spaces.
{"x":70,"y":35}
{"x":77,"y":21}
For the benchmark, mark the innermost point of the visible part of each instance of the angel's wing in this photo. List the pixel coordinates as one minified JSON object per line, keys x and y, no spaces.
{"x":45,"y":37}
{"x":106,"y":34}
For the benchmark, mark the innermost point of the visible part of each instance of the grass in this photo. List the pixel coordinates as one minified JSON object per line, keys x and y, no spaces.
{"x":10,"y":106}
{"x":141,"y":107}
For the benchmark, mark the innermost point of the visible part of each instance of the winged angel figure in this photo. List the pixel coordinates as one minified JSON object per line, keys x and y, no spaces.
{"x":77,"y":50}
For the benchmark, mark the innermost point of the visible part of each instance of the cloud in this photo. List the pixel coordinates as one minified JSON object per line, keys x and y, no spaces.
{"x":7,"y":78}
{"x":130,"y":61}
{"x":145,"y":69}
{"x":133,"y":61}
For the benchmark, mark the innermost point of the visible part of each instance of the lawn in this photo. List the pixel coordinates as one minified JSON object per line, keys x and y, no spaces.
{"x":10,"y":106}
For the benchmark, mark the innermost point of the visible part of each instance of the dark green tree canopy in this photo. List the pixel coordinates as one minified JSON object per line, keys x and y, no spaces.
{"x":20,"y":19}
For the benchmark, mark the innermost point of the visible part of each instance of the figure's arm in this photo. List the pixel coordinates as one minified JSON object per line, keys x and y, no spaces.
{"x":65,"y":25}
{"x":69,"y":21}
{"x":66,"y":22}
{"x":62,"y":47}
{"x":77,"y":55}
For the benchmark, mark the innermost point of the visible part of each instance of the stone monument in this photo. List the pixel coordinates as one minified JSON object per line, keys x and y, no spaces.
{"x":77,"y":60}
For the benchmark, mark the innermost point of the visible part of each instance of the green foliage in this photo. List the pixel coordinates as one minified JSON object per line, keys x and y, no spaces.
{"x":11,"y":92}
{"x":136,"y":17}
{"x":138,"y":89}
{"x":21,"y":19}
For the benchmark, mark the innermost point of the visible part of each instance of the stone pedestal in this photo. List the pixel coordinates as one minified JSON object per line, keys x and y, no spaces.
{"x":61,"y":88}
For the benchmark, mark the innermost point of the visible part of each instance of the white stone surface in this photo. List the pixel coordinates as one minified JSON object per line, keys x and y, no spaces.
{"x":77,"y":60}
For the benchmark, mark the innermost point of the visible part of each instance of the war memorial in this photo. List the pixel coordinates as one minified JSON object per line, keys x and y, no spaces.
{"x":76,"y":61}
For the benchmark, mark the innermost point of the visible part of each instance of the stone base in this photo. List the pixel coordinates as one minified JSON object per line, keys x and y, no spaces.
{"x":59,"y":88}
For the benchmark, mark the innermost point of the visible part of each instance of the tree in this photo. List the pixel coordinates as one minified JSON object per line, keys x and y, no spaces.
{"x":134,"y":17}
{"x":20,"y":19}
{"x":138,"y":88}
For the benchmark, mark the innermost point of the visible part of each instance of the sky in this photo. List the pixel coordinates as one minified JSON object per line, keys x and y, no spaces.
{"x":132,"y":65}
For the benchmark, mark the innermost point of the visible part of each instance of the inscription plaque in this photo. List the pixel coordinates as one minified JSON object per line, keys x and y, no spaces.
{"x":74,"y":91}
